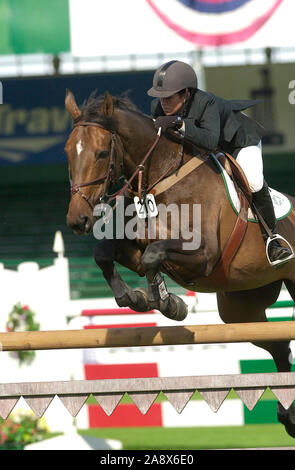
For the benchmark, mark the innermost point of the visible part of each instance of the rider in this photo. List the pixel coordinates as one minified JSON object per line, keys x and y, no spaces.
{"x":212,"y":123}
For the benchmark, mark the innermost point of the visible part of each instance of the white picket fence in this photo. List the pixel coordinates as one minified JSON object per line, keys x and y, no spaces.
{"x":46,"y":291}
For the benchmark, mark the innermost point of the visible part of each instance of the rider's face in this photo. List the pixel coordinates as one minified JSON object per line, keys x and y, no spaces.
{"x":172,"y":104}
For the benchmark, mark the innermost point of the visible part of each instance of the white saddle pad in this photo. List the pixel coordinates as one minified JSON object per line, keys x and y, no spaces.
{"x":282,"y":205}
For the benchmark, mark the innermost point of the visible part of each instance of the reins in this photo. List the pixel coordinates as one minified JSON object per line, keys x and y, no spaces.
{"x":139,"y":170}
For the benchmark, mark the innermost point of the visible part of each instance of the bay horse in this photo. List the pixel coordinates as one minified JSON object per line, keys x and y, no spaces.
{"x":111,"y":139}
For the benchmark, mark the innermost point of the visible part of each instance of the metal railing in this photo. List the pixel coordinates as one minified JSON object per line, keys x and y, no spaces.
{"x":66,"y":63}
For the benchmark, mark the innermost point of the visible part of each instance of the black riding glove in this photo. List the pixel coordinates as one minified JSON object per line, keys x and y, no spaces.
{"x":168,"y":122}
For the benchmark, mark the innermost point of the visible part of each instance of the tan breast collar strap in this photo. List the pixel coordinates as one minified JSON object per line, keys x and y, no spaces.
{"x":185,"y":170}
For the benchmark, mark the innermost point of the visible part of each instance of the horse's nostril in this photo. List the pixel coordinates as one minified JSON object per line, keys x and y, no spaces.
{"x":84,"y":222}
{"x":80,"y":224}
{"x":82,"y":218}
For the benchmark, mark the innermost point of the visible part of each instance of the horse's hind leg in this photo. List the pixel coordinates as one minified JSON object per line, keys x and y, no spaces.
{"x":127,"y":254}
{"x":249,"y":306}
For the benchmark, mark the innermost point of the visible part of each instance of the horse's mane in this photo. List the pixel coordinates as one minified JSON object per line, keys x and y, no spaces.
{"x":91,"y":109}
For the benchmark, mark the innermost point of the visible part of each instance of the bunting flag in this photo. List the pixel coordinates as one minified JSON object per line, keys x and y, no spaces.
{"x":214,"y":22}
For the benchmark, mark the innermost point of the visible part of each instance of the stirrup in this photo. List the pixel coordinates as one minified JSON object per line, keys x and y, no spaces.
{"x":279,"y":261}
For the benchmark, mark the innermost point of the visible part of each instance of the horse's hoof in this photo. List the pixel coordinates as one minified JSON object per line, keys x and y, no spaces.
{"x":137,"y":300}
{"x":174,"y":308}
{"x":141,"y":304}
{"x":122,"y":301}
{"x":287,"y":418}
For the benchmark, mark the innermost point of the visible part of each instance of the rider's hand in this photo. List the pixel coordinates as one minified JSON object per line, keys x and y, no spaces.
{"x":168,"y":122}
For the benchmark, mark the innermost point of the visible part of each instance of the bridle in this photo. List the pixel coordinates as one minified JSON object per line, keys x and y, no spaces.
{"x":109,"y":177}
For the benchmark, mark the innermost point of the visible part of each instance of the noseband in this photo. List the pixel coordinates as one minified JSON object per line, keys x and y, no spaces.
{"x":107,"y":178}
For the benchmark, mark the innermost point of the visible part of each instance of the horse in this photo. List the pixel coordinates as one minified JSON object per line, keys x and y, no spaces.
{"x":110,"y":139}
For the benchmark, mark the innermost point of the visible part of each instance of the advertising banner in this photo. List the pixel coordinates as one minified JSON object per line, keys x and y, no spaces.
{"x":34,"y":123}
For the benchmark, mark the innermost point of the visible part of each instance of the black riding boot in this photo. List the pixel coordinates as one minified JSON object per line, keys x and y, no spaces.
{"x":263,"y":202}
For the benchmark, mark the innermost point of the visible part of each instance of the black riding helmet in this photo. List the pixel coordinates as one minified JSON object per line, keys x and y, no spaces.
{"x":171,"y":78}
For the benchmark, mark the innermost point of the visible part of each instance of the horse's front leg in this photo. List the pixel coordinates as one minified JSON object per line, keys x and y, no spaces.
{"x":159,"y":298}
{"x":153,"y":258}
{"x":127,"y":254}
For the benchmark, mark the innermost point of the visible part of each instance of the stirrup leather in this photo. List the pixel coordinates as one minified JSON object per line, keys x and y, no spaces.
{"x":279,"y":261}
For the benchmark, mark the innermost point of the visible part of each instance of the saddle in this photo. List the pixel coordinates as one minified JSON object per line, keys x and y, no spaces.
{"x":237,"y":175}
{"x":241,"y":184}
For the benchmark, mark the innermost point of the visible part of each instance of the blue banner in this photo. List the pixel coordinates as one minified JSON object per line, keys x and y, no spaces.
{"x":34,"y":124}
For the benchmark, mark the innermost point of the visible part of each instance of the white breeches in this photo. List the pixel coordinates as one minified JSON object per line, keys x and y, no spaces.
{"x":250,"y":159}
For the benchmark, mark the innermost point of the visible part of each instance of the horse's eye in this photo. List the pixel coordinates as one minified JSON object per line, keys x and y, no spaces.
{"x":102,"y":154}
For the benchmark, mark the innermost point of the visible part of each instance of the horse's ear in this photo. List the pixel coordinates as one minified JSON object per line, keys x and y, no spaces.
{"x":108,"y":105}
{"x":72,"y":106}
